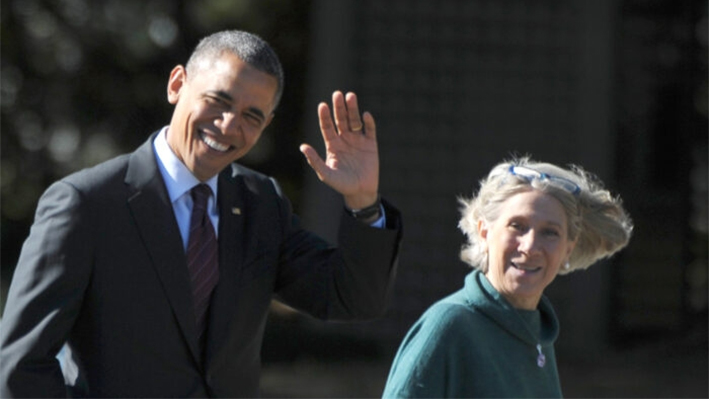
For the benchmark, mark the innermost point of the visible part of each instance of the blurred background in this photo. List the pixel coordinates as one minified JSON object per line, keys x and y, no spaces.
{"x":617,"y":86}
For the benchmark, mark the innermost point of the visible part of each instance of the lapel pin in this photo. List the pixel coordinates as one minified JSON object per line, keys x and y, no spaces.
{"x":236,"y":211}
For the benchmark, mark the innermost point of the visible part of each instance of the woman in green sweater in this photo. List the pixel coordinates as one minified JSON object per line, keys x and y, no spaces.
{"x":495,"y":337}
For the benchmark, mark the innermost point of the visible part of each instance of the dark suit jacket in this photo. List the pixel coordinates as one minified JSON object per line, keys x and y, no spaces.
{"x":104,"y":269}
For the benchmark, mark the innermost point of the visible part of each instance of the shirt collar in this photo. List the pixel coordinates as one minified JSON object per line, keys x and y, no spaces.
{"x":178,"y":179}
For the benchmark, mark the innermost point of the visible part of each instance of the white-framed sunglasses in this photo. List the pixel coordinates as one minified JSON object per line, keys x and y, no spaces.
{"x":530,"y":174}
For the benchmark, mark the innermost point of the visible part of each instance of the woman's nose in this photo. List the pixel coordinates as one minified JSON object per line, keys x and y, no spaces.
{"x":529,"y":242}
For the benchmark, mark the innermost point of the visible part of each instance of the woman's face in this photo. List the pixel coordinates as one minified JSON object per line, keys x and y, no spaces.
{"x":526,"y":246}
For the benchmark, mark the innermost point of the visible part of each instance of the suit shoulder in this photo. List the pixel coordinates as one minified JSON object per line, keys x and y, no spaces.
{"x":99,"y":176}
{"x":256,"y":182}
{"x":241,"y":171}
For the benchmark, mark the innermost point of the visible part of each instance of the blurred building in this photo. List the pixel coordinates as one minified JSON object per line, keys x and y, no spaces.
{"x":457,"y":86}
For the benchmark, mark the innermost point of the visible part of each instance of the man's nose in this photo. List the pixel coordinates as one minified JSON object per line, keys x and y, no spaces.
{"x":229,"y":123}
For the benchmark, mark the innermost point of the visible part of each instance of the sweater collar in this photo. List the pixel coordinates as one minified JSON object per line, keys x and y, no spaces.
{"x":481,"y":295}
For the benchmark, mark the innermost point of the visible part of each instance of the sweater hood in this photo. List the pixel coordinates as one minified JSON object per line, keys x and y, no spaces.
{"x":482,"y":296}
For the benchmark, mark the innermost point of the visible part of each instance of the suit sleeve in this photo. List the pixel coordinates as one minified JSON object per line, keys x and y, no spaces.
{"x":350,"y":281}
{"x":45,"y":296}
{"x":364,"y":280}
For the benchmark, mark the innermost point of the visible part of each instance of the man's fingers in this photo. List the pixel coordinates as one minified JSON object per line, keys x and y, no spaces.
{"x":314,"y":160}
{"x":326,"y":125}
{"x":353,"y":117}
{"x":339,"y":109}
{"x":346,"y":111}
{"x":370,"y":127}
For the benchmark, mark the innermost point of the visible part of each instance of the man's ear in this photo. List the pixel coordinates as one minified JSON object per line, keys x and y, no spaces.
{"x":178,"y":78}
{"x":268,"y":120}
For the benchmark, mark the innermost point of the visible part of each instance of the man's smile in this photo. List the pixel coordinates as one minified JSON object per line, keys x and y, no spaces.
{"x":213,"y":144}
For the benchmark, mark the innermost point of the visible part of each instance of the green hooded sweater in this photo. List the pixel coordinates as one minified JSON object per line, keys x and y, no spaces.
{"x":475,"y":344}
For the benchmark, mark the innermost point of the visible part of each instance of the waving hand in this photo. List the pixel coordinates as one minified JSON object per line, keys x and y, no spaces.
{"x":351,"y":164}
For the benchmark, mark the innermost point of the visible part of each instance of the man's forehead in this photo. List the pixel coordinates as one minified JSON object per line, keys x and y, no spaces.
{"x":221,"y":73}
{"x":203,"y":63}
{"x":211,"y":63}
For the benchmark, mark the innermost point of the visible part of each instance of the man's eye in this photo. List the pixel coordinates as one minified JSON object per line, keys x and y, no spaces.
{"x":215,"y":100}
{"x":253,"y":119}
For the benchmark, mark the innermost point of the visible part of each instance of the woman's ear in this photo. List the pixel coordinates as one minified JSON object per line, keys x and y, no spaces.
{"x":482,"y":233}
{"x":482,"y":229}
{"x":570,"y":249}
{"x":178,"y":78}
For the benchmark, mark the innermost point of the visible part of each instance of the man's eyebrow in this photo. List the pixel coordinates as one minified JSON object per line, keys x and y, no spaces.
{"x":221,"y":94}
{"x":258,"y":113}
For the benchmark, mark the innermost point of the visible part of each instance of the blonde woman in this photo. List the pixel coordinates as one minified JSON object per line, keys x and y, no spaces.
{"x":528,"y":222}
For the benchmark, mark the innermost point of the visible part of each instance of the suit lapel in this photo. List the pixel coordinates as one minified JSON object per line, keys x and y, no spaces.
{"x":233,"y":210}
{"x":155,"y":219}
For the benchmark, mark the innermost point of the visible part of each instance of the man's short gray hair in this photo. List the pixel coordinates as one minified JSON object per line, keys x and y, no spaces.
{"x":249,"y":47}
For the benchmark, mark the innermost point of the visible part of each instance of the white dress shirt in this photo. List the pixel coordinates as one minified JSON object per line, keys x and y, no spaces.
{"x":179,"y":181}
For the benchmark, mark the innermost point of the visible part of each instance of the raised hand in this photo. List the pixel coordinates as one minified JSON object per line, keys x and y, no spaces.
{"x":351,"y":165}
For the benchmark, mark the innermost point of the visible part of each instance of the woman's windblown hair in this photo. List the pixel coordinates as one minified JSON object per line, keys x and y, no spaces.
{"x":597,"y":221}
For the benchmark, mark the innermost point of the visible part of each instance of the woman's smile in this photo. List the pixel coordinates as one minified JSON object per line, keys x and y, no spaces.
{"x":525,"y":268}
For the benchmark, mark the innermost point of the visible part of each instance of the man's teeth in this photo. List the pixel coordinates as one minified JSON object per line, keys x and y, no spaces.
{"x":213,"y":144}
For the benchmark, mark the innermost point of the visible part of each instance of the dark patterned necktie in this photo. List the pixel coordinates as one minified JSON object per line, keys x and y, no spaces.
{"x":202,"y":257}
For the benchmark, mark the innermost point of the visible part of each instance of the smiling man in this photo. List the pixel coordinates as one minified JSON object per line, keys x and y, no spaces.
{"x":156,"y":268}
{"x":222,"y":105}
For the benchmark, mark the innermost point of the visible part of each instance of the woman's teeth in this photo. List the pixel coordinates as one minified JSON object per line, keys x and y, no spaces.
{"x":527,"y":269}
{"x":213,"y":144}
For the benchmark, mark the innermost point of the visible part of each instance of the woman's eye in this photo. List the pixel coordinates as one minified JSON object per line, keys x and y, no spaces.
{"x":551,"y":233}
{"x":516,"y":226}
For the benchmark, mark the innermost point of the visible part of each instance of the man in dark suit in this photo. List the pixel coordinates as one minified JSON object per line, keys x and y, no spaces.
{"x":154,"y":298}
